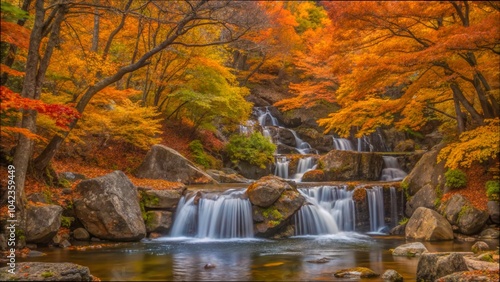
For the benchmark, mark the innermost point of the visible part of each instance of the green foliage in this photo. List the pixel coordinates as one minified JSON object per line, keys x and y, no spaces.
{"x":455,"y":178}
{"x":255,"y":149}
{"x":403,"y":221}
{"x":405,"y":186}
{"x":11,"y":12}
{"x":493,"y":189}
{"x":66,"y":221}
{"x":47,"y":274}
{"x":200,"y":156}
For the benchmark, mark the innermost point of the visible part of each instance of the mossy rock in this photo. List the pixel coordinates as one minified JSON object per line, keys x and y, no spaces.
{"x":356,"y":272}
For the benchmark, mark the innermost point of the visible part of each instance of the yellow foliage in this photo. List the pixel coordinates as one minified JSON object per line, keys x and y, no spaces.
{"x":479,"y":144}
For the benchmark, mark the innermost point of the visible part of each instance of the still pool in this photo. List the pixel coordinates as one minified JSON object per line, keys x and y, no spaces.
{"x":292,"y":259}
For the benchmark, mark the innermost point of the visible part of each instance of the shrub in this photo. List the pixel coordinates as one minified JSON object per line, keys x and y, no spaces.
{"x":254,"y":149}
{"x":493,"y":189}
{"x":455,"y":178}
{"x":200,"y":156}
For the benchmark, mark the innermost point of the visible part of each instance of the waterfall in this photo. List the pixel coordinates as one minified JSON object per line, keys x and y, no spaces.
{"x":300,"y":145}
{"x":394,"y":207}
{"x":304,"y":165}
{"x":265,"y":118}
{"x":392,"y":170}
{"x":226,"y":215}
{"x":281,"y":169}
{"x":342,"y":144}
{"x":330,"y":210}
{"x":375,"y":198}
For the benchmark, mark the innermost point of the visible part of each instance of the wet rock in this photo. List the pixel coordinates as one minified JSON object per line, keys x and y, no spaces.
{"x":158,"y":221}
{"x":44,"y":271}
{"x":42,"y":223}
{"x":494,"y":211}
{"x":37,"y":198}
{"x":489,"y":233}
{"x":315,"y":175}
{"x":460,"y":212}
{"x":429,"y":225}
{"x":479,"y":246}
{"x":356,"y":272}
{"x":60,"y":238}
{"x":71,"y":176}
{"x":398,"y":230}
{"x":274,"y":218}
{"x":477,"y":264}
{"x":432,"y":266}
{"x":467,"y":276}
{"x":321,"y":260}
{"x":227,"y":177}
{"x":350,"y":165}
{"x":266,"y":191}
{"x":33,"y":254}
{"x":252,"y":171}
{"x":426,"y":171}
{"x":162,"y":162}
{"x":410,"y":250}
{"x":392,"y":275}
{"x":423,"y":198}
{"x":64,"y":244}
{"x":161,"y":199}
{"x":209,"y":266}
{"x":81,"y":234}
{"x":108,"y":208}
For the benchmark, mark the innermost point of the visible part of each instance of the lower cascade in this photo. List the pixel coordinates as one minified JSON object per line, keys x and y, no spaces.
{"x":214,"y":216}
{"x":392,"y":170}
{"x":330,"y":210}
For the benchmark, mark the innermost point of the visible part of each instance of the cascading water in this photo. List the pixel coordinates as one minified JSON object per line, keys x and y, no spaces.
{"x":304,"y":165}
{"x":265,"y":117}
{"x":375,"y":199}
{"x":330,"y":210}
{"x":281,"y":168}
{"x":394,"y":207}
{"x":342,"y":144}
{"x":392,"y":170}
{"x":215,"y":216}
{"x":301,"y":146}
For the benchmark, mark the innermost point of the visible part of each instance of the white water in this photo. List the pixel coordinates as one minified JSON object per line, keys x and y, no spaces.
{"x":330,"y":210}
{"x":394,"y":207}
{"x":281,"y":168}
{"x":266,"y":118}
{"x":342,"y":144}
{"x":304,"y":165}
{"x":375,"y":199}
{"x":226,"y":215}
{"x":392,"y":170}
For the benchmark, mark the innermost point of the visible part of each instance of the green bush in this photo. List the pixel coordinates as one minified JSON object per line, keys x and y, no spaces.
{"x":254,"y":149}
{"x":200,"y":156}
{"x":493,"y":189}
{"x":455,"y":178}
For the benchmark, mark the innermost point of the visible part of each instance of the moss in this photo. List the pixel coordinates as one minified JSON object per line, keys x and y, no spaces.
{"x":47,"y":274}
{"x":272,"y":213}
{"x":66,"y":221}
{"x":403,"y":221}
{"x":149,"y":200}
{"x":463,"y":211}
{"x":148,"y":219}
{"x":488,"y":257}
{"x":273,"y":223}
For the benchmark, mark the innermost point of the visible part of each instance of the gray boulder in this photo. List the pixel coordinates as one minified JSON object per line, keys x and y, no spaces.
{"x":161,"y":199}
{"x":432,"y":266}
{"x":349,"y":165}
{"x":266,"y":191}
{"x":46,"y":271}
{"x":429,"y":225}
{"x":42,"y":223}
{"x":162,"y":162}
{"x":81,"y":234}
{"x":489,"y":233}
{"x":494,"y":211}
{"x":410,"y":250}
{"x":460,"y":212}
{"x":426,"y":171}
{"x":392,"y":275}
{"x":423,"y":198}
{"x":108,"y":207}
{"x":158,"y":221}
{"x":479,"y":246}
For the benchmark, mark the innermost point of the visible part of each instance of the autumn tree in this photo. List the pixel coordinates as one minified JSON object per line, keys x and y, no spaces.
{"x":92,"y":56}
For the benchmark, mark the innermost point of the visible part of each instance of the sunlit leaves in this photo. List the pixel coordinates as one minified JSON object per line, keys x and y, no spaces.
{"x":477,"y":145}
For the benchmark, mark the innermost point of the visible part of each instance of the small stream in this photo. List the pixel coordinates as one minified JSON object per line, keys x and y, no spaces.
{"x":183,"y":259}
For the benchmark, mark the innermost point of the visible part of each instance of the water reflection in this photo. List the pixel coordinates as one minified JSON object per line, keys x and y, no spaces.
{"x":290,"y":259}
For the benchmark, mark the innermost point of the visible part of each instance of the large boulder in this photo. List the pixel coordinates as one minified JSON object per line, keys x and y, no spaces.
{"x":273,"y":219}
{"x":108,"y":207}
{"x":494,"y":211}
{"x":423,"y":198}
{"x":266,"y":191}
{"x":429,"y":225}
{"x":252,"y":171}
{"x":42,"y":222}
{"x":161,"y":198}
{"x":432,"y":266}
{"x":410,"y":250}
{"x":460,"y":212}
{"x":349,"y":165}
{"x":47,"y":271}
{"x":426,"y":171}
{"x":162,"y":162}
{"x":158,"y":221}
